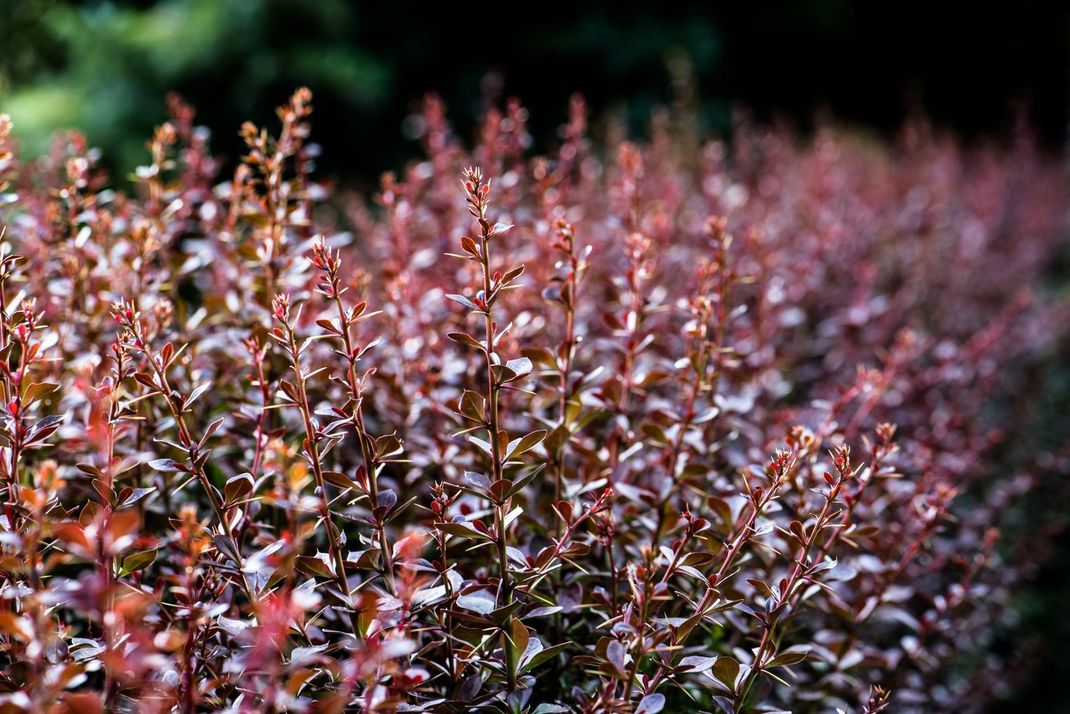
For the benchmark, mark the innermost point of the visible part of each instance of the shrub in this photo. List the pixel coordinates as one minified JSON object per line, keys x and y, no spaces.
{"x":635,"y":427}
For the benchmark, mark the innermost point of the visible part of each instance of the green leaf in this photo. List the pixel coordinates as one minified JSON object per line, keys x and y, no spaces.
{"x":543,"y":655}
{"x":137,"y":561}
{"x":518,"y":637}
{"x":525,"y":443}
{"x":313,"y":566}
{"x":37,"y":391}
{"x":386,"y":446}
{"x":726,"y":669}
{"x":654,"y":432}
{"x":792,"y":655}
{"x":473,"y":406}
{"x":339,"y":479}
{"x":465,"y":339}
{"x":524,"y":480}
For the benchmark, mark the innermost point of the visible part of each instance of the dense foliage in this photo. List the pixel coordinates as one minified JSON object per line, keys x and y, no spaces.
{"x":632,"y":428}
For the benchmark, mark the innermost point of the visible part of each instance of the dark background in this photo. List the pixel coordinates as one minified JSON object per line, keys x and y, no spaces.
{"x":106,"y":66}
{"x":971,"y":68}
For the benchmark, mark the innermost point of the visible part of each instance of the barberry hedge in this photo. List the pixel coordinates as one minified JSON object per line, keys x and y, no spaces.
{"x":632,"y":427}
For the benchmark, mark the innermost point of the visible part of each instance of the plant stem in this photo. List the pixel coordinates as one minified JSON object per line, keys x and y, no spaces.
{"x":312,"y":450}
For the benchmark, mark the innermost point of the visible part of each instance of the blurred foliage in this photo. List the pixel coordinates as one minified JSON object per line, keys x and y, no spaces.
{"x":106,"y":66}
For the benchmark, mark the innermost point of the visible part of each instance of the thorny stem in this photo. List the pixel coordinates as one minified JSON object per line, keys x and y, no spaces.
{"x":562,"y":541}
{"x":271,"y":157}
{"x":258,"y":352}
{"x":881,"y":448}
{"x":637,"y":658}
{"x":10,"y":390}
{"x":312,"y":451}
{"x":677,"y":443}
{"x":783,"y":464}
{"x":788,"y":587}
{"x":638,"y":246}
{"x":478,"y":193}
{"x":439,"y":505}
{"x":331,"y":265}
{"x":126,"y":316}
{"x":114,"y":411}
{"x":567,"y":350}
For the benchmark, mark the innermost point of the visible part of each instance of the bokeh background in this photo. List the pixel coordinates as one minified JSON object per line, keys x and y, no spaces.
{"x":106,"y":67}
{"x":973,"y":69}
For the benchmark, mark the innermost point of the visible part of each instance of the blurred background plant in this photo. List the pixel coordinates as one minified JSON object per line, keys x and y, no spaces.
{"x":106,"y":66}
